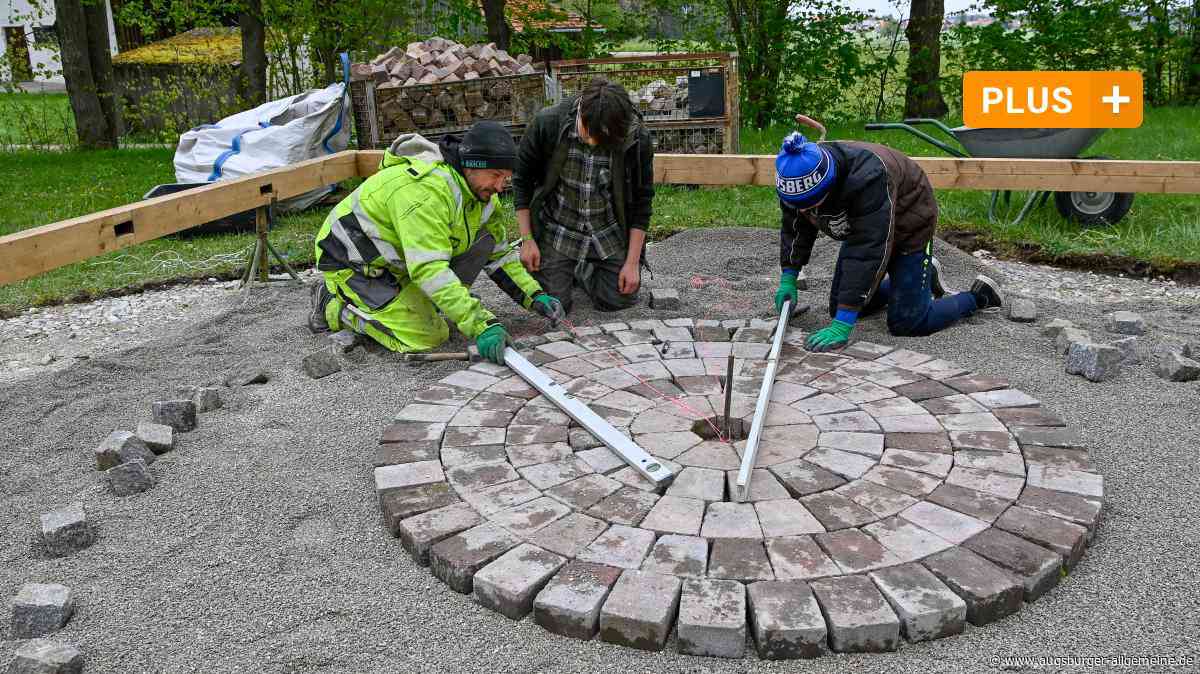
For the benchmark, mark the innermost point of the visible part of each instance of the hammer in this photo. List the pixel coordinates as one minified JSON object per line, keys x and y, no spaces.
{"x":439,"y":356}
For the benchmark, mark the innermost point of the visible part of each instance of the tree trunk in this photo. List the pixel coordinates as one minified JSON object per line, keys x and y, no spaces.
{"x":100,"y":52}
{"x":923,"y":95}
{"x":1191,"y":82}
{"x":254,"y":54}
{"x":497,"y":26}
{"x":91,"y":123}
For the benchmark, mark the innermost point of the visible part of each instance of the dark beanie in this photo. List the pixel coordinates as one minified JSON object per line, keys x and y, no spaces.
{"x":488,"y":145}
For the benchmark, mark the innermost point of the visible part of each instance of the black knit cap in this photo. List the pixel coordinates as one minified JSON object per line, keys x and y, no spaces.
{"x":488,"y":145}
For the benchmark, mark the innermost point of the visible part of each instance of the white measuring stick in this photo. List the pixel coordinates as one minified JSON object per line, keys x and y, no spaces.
{"x":650,"y":468}
{"x":742,"y":487}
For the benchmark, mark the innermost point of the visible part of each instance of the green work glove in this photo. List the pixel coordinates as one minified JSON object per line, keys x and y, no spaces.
{"x":548,"y":306}
{"x":787,"y":290}
{"x":830,"y":338}
{"x":491,"y":343}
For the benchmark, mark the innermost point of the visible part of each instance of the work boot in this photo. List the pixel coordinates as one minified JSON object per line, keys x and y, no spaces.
{"x":987,"y":293}
{"x":935,"y":279}
{"x":320,"y":300}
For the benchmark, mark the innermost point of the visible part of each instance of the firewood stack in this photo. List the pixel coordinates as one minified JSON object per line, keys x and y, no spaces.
{"x":440,"y":61}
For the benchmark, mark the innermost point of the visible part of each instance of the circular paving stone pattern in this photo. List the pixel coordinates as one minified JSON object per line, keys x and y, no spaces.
{"x":897,"y":496}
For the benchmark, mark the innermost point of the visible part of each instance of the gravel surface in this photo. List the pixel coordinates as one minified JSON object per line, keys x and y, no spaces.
{"x":260,"y":548}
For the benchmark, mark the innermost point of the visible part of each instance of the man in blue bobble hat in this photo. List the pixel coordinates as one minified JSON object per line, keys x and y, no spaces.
{"x":880,"y":205}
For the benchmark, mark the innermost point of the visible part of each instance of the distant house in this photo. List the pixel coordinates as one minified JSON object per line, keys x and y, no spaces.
{"x":29,"y":49}
{"x":538,"y":16}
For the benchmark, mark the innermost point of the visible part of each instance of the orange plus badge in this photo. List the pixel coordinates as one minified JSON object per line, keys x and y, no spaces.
{"x":1052,"y":99}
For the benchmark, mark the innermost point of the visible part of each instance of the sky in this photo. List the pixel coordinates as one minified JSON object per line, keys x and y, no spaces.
{"x":883,"y":7}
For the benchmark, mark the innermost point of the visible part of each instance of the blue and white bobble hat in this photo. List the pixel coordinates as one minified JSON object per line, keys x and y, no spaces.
{"x":804,"y":171}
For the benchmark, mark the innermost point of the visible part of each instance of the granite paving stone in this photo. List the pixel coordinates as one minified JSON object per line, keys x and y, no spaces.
{"x":1076,"y":509}
{"x":397,"y":505}
{"x":620,"y":546}
{"x":913,"y":423}
{"x":640,"y":610}
{"x":786,"y":620}
{"x":975,"y":383}
{"x":675,"y":515}
{"x":906,"y":540}
{"x":869,"y":444}
{"x":394,"y":453}
{"x":926,"y":607}
{"x":919,"y":442}
{"x":476,"y":476}
{"x":1028,"y":416}
{"x":880,"y":500}
{"x":786,"y":517}
{"x":924,"y":390}
{"x":1003,"y":485}
{"x":712,"y":618}
{"x":989,"y":592}
{"x":508,"y":584}
{"x":462,"y":456}
{"x":932,"y":463}
{"x":545,"y":452}
{"x":1037,"y":568}
{"x":66,"y":530}
{"x":40,"y":609}
{"x":525,"y":519}
{"x":497,"y":497}
{"x":972,"y":421}
{"x":569,"y":605}
{"x":846,"y":421}
{"x":977,"y":504}
{"x":730,"y":520}
{"x":848,"y":465}
{"x":996,"y":441}
{"x":763,"y":486}
{"x":705,"y":484}
{"x":997,"y":462}
{"x":742,"y":559}
{"x":834,"y":511}
{"x":859,"y":618}
{"x":569,"y":535}
{"x":423,"y":412}
{"x":947,"y":524}
{"x":585,"y":492}
{"x":545,"y":475}
{"x":456,"y":559}
{"x":419,"y":533}
{"x":413,"y":431}
{"x":1002,"y":398}
{"x":46,"y":656}
{"x":1057,"y":478}
{"x":959,"y":403}
{"x":855,"y":552}
{"x":799,"y":557}
{"x":1065,"y":538}
{"x":905,"y":481}
{"x":677,"y":555}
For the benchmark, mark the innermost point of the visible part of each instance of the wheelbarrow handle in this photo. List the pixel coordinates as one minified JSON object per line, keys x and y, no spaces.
{"x":900,"y":126}
{"x":936,"y":122}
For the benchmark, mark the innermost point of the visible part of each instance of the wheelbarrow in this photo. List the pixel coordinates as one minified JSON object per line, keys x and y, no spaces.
{"x":1086,"y":208}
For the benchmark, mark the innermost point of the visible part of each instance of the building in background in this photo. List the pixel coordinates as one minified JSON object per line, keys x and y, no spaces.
{"x":29,"y":48}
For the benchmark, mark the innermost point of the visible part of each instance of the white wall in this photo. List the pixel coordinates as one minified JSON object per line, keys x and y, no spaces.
{"x":44,"y":57}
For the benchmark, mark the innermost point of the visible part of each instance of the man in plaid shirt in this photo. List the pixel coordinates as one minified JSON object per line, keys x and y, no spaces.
{"x":583,"y":190}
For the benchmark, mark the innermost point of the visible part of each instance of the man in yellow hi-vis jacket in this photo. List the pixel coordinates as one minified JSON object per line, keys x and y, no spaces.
{"x":411,"y":239}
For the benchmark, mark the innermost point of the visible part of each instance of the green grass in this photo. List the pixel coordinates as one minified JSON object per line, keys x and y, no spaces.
{"x":36,"y":119}
{"x":40,"y":188}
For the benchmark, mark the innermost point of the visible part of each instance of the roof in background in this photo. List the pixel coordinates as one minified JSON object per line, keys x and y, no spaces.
{"x":540,"y":15}
{"x":220,"y":46}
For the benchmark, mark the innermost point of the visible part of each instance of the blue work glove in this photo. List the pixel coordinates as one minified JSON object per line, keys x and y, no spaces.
{"x":548,"y":306}
{"x":787,"y":290}
{"x":491,"y":343}
{"x":836,"y":335}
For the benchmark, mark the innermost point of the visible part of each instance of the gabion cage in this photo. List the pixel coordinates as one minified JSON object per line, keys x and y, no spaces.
{"x":663,"y":87}
{"x":383,"y":112}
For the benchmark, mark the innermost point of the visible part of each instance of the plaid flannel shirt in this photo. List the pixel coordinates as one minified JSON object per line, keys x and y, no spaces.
{"x":579,"y":216}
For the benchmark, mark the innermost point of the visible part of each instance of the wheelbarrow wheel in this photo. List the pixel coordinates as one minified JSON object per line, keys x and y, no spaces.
{"x":1093,"y":209}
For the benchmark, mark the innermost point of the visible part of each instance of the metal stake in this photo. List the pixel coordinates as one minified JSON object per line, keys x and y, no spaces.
{"x":742,"y":488}
{"x":649,"y":467}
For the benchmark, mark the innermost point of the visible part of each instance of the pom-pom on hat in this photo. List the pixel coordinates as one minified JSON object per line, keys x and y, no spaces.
{"x":804,"y":171}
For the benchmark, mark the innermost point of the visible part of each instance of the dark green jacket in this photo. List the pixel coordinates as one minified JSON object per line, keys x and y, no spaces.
{"x":543,"y":152}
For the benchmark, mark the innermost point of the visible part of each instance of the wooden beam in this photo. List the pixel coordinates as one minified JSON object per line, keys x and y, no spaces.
{"x":34,"y":251}
{"x":1060,"y":175}
{"x":368,"y":162}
